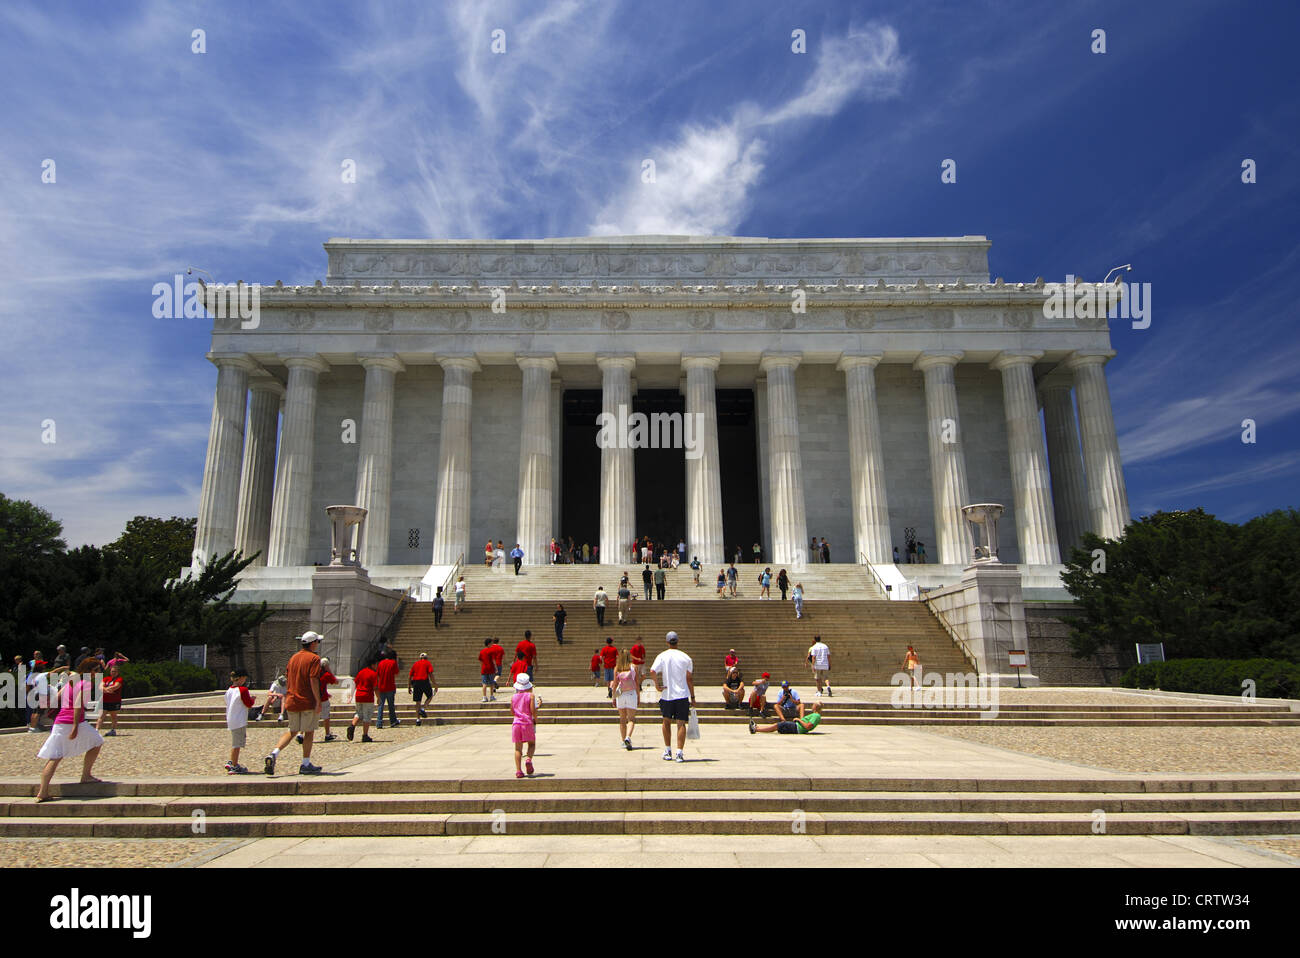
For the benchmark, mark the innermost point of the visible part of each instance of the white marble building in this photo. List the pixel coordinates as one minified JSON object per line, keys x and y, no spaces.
{"x":890,"y":383}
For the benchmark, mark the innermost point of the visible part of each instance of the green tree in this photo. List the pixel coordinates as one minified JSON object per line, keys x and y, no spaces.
{"x":167,"y":542}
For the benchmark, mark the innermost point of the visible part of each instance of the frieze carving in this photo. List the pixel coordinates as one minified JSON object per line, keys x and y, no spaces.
{"x":378,"y":320}
{"x":456,"y":320}
{"x":1018,"y":318}
{"x":859,"y":318}
{"x":615,"y":319}
{"x":701,"y":319}
{"x":535,"y":319}
{"x":780,"y":319}
{"x":301,"y":318}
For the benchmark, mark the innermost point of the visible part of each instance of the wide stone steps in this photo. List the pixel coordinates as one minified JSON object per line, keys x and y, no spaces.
{"x":562,"y":582}
{"x":867,"y":638}
{"x":845,"y":713}
{"x":292,"y":806}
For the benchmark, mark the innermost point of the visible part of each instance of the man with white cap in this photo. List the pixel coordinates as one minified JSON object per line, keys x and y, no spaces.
{"x":672,"y":671}
{"x":302,"y":703}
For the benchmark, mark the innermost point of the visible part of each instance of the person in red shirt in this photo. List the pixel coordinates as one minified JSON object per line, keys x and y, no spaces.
{"x":365,"y":703}
{"x":423,"y":684}
{"x":112,"y":699}
{"x":487,"y":671}
{"x":595,"y":667}
{"x":609,"y":659}
{"x":327,"y":678}
{"x":386,"y":689}
{"x":637,"y":654}
{"x":520,"y":664}
{"x":530,"y":652}
{"x":498,"y":656}
{"x":731,"y":659}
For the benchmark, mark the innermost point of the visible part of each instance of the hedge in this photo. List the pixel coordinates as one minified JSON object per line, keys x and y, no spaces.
{"x":1273,"y":678}
{"x":165,"y":678}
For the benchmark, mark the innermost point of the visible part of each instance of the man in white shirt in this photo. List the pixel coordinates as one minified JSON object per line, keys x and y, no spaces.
{"x":819,"y":657}
{"x":598,"y":603}
{"x":672,"y":671}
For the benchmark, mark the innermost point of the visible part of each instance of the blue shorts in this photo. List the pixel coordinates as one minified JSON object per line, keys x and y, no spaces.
{"x":609,"y":675}
{"x":788,"y":728}
{"x":489,"y":678}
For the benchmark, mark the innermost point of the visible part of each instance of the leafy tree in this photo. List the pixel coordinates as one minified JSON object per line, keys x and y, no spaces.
{"x":27,"y":532}
{"x":166,"y":542}
{"x":1203,"y":587}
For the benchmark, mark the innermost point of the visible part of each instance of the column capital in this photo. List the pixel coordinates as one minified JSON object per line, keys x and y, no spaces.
{"x":1089,"y":357}
{"x":305,"y":361}
{"x":237,"y":360}
{"x":772,"y":361}
{"x":937,"y":357}
{"x":537,"y":361}
{"x":469,"y":362}
{"x":701,"y":361}
{"x":1016,"y":357}
{"x":616,"y":361}
{"x":849,"y":361}
{"x":387,"y":361}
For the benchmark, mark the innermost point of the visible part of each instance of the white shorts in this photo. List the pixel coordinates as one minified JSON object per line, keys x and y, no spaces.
{"x":626,"y":700}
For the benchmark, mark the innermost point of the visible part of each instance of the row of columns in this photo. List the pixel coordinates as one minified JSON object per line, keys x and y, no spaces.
{"x":1058,"y":494}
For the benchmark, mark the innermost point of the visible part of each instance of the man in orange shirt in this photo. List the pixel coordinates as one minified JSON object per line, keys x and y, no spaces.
{"x":302,"y":702}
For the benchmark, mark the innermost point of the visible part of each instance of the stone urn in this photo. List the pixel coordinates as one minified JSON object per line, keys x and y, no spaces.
{"x":346,"y":523}
{"x":983,"y":516}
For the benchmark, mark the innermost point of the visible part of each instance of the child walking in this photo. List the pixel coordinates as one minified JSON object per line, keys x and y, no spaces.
{"x":238,"y":701}
{"x":523,"y":705}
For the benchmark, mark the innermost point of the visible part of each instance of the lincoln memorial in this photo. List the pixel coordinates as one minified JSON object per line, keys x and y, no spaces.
{"x":857,"y":390}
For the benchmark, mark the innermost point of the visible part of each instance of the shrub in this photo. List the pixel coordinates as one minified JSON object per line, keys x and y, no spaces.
{"x":165,"y":678}
{"x":1273,"y":678}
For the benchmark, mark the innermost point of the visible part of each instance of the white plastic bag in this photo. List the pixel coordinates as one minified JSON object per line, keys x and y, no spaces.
{"x":693,"y":727}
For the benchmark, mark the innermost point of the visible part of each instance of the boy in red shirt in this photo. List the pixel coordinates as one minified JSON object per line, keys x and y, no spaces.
{"x":365,"y":703}
{"x":112,"y":700}
{"x":520,"y":664}
{"x":530,"y":653}
{"x":386,"y":690}
{"x":637,"y":655}
{"x":498,"y":656}
{"x":327,"y":678}
{"x":487,"y":671}
{"x":423,"y":684}
{"x":609,"y":658}
{"x":595,"y":667}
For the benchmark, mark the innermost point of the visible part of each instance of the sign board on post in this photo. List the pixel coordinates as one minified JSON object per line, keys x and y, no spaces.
{"x":1017,"y":658}
{"x":1150,"y":652}
{"x":193,"y":654}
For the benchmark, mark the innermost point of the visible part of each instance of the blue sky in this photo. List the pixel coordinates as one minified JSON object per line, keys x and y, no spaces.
{"x":1069,"y":161}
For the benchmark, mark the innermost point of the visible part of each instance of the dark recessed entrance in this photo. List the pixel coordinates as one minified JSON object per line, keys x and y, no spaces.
{"x":738,"y":451}
{"x":580,"y":472}
{"x":661,"y":473}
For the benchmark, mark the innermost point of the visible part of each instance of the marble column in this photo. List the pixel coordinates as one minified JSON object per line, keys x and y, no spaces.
{"x":947,"y":457}
{"x":703,"y":465}
{"x":866,"y":459}
{"x":785,"y":464}
{"x":1069,"y":490}
{"x":451,"y":531}
{"x":219,"y":498}
{"x":253,"y":528}
{"x":534,"y":526}
{"x":617,"y":462}
{"x":375,"y":456}
{"x":1107,"y":496}
{"x":291,"y":501}
{"x":1031,"y":486}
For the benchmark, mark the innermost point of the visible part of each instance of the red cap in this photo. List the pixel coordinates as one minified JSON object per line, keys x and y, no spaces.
{"x":767,"y":675}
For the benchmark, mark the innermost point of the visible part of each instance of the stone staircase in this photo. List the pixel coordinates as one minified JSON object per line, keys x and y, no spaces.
{"x":570,"y":583}
{"x":293,"y":806}
{"x":911,"y":712}
{"x":867,"y":638}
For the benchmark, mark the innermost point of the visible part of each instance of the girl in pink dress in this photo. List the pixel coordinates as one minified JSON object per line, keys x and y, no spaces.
{"x":72,"y":735}
{"x":523,"y":705}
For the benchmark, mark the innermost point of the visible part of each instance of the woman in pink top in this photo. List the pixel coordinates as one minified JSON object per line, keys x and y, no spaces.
{"x":72,"y":735}
{"x":626,"y":690}
{"x":523,"y":705}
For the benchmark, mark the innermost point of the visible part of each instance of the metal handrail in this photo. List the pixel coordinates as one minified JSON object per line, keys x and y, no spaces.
{"x":880,"y":583}
{"x":459,"y":564}
{"x":952,"y":634}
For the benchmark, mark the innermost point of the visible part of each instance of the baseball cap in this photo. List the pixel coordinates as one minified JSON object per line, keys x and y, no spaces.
{"x":767,"y":675}
{"x":672,"y":638}
{"x":785,"y":685}
{"x":309,"y":637}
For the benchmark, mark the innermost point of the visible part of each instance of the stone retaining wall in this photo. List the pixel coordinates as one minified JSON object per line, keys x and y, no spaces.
{"x":1052,"y":658}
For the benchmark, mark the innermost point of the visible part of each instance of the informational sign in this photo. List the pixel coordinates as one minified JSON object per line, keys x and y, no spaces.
{"x":1150,"y":652}
{"x":1018,"y":658}
{"x":193,"y":654}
